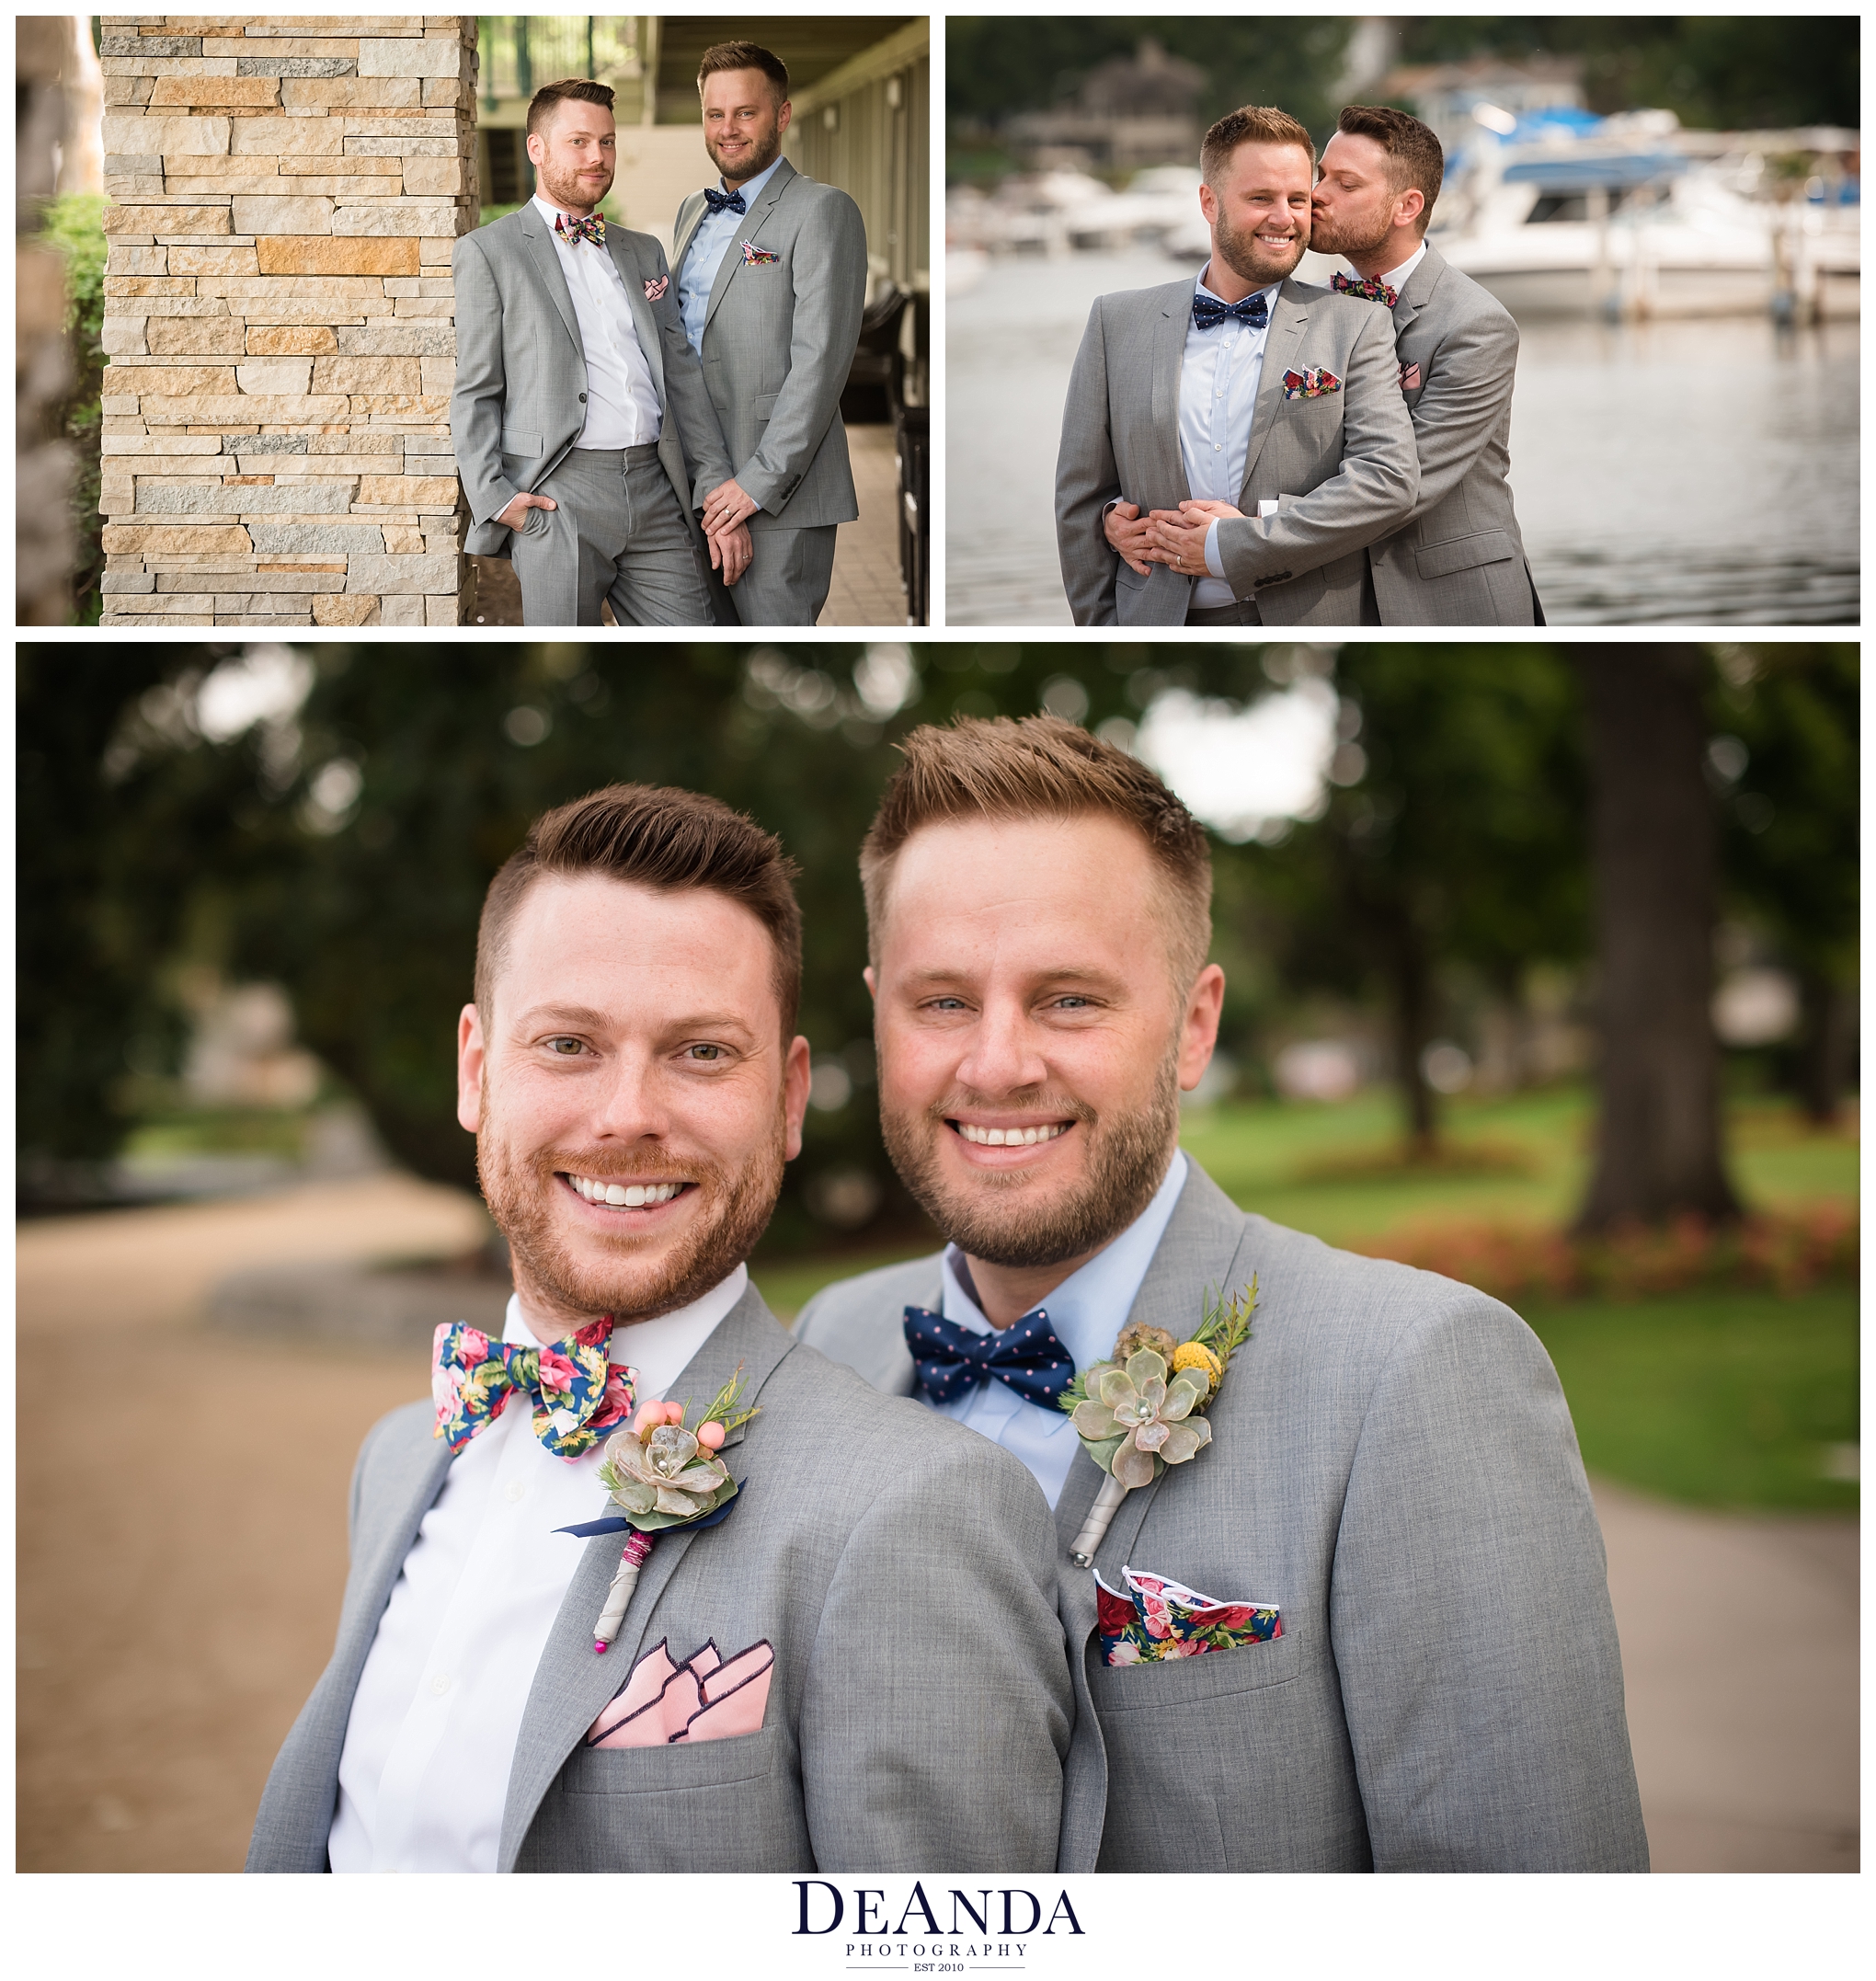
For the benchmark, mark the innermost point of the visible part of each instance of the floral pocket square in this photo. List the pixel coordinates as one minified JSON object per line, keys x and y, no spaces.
{"x":653,"y":291}
{"x":1157,"y":1619}
{"x":1313,"y":383}
{"x":754,"y":257}
{"x":704,"y":1698}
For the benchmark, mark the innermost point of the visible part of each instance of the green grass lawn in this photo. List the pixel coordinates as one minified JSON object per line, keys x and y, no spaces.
{"x":1714,"y":1398}
{"x":1303,"y":1165}
{"x":1731,"y":1399}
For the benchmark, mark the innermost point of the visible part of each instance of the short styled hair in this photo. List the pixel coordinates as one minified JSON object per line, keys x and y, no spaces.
{"x":1415,"y":157}
{"x":1253,"y":124}
{"x":654,"y":836}
{"x":574,"y":89}
{"x":744,"y":56}
{"x":1041,"y":767}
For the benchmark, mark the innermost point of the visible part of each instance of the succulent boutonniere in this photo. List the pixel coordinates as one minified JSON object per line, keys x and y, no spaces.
{"x":1143,"y":1409}
{"x":663,"y":1473}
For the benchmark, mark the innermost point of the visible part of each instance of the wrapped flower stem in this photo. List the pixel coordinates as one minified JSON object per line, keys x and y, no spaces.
{"x":1100,"y":1518}
{"x":625,"y":1580}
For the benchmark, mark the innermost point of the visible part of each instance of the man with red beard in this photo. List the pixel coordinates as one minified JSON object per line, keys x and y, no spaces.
{"x":1395,"y":1650}
{"x":857,"y":1664}
{"x":1457,"y":560}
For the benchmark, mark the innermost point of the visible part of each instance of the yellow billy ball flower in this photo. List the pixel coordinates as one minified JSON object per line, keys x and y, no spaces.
{"x":1194,"y":1355}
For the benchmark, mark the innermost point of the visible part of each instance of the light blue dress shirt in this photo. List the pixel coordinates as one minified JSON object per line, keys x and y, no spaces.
{"x":705,"y":256}
{"x":1087,"y":1311}
{"x":1218,"y":394}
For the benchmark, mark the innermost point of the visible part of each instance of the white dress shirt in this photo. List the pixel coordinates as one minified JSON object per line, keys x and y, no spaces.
{"x":424,"y":1775}
{"x":1087,"y":1311}
{"x":1218,"y":394}
{"x":705,"y":256}
{"x":622,"y":401}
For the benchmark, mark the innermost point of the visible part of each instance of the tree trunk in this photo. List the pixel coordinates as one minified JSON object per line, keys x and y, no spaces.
{"x":1824,"y":1048}
{"x":1652,"y":848}
{"x":1411,"y":985}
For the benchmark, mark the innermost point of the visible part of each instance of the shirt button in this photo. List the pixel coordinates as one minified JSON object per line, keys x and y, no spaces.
{"x":439,"y":1684}
{"x":515,"y":1489}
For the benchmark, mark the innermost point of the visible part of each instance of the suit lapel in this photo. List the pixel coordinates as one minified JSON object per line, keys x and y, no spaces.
{"x":689,"y":218}
{"x":1203,"y":1248}
{"x":1169,"y":362}
{"x":1288,"y":323}
{"x":571,"y":1682}
{"x":546,"y":260}
{"x":1418,"y":292}
{"x":643,"y":320}
{"x":752,"y":222}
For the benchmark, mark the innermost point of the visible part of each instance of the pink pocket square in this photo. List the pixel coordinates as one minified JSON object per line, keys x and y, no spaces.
{"x":1410,"y":378}
{"x":1313,"y":383}
{"x":702,"y":1698}
{"x":653,"y":291}
{"x":754,"y":257}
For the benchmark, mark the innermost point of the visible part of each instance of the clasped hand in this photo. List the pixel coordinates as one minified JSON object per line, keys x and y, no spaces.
{"x":1169,"y":536}
{"x":728,"y":536}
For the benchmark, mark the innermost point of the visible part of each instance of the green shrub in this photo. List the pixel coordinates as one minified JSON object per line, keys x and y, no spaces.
{"x":75,"y":225}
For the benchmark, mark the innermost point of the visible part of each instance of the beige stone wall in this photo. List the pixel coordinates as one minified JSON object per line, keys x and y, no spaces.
{"x":286,"y":194}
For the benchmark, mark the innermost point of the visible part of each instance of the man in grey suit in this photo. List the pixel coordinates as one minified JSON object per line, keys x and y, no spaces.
{"x":1257,"y":418}
{"x":1457,"y":560}
{"x":1391,"y":1466}
{"x":584,"y":435}
{"x":858,"y":1665}
{"x":771,"y":278}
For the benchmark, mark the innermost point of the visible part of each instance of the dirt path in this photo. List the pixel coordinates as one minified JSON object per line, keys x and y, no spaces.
{"x":182,"y":1551}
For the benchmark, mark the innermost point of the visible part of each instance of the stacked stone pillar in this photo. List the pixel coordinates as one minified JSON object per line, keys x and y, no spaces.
{"x":279,"y":317}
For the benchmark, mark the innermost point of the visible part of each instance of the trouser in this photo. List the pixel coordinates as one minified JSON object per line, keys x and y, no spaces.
{"x":786,"y":583}
{"x":617,"y":534}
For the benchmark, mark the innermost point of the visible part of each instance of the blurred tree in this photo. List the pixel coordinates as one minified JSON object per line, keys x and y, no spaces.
{"x":114,"y":846}
{"x":1724,"y":72}
{"x":1452,"y":834}
{"x":1788,"y":834}
{"x":999,"y":65}
{"x":1654,"y":843}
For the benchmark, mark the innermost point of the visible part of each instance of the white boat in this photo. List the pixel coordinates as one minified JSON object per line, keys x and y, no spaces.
{"x":1630,"y":216}
{"x":1569,"y":214}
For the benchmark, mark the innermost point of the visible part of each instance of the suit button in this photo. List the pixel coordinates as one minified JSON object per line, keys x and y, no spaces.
{"x":583,"y":398}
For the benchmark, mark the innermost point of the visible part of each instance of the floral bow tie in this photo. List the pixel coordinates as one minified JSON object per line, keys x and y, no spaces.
{"x":1370,"y":286}
{"x":590,"y":228}
{"x":724,"y":202}
{"x":951,"y":1360}
{"x":1209,"y":313}
{"x":576,"y":1392}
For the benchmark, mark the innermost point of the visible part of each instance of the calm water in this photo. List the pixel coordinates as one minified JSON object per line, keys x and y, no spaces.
{"x":1700,"y":473}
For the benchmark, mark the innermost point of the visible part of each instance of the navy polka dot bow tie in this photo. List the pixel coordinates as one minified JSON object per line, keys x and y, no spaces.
{"x":1209,"y":313}
{"x":589,"y":228}
{"x":722,"y":202}
{"x":951,"y":1360}
{"x":1370,"y":286}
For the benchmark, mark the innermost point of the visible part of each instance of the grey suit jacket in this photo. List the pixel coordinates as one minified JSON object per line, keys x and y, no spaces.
{"x":519,"y":399}
{"x":1393,"y":1464}
{"x":1459,"y":560}
{"x":918,"y":1709}
{"x":1340,"y":467}
{"x":778,"y":341}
